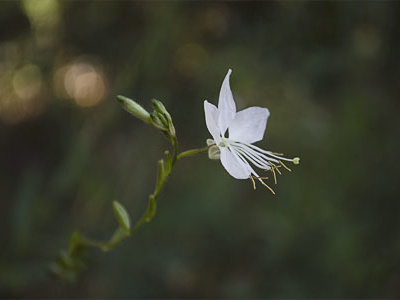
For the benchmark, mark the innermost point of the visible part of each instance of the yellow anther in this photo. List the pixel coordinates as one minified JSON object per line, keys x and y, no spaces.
{"x":276,"y":168}
{"x":254,"y":184}
{"x":273,"y":172}
{"x":296,"y":160}
{"x":262,"y":182}
{"x":279,"y":154}
{"x":266,"y":185}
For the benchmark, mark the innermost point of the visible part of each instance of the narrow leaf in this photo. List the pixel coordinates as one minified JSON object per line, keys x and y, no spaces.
{"x":161,"y":173}
{"x":122,"y":216}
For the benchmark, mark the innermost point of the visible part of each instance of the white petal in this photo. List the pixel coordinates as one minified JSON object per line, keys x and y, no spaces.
{"x":211,"y":112}
{"x":226,"y":105}
{"x":232,"y":165}
{"x":248,"y":126}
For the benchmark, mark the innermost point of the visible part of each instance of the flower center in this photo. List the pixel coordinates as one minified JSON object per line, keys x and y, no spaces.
{"x":224,"y":142}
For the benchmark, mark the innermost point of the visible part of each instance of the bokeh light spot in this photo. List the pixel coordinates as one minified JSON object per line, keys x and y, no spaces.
{"x":84,"y":84}
{"x":27,"y":81}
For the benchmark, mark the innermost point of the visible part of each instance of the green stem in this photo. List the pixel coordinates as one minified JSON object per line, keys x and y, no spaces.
{"x":79,"y":242}
{"x":192,"y":152}
{"x":174,"y":142}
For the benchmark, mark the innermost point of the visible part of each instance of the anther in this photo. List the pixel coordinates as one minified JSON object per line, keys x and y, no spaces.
{"x":266,"y":185}
{"x":279,"y":154}
{"x":262,"y":182}
{"x":276,"y":168}
{"x":273,"y":172}
{"x":254,"y":184}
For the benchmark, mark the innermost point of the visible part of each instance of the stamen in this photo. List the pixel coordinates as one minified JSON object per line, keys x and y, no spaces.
{"x":279,"y":157}
{"x":242,"y":161}
{"x":262,"y":182}
{"x":273,"y":172}
{"x":279,"y":154}
{"x":248,"y":167}
{"x":255,"y":160}
{"x":256,"y":177}
{"x":273,"y":154}
{"x":285,"y":166}
{"x":266,"y":185}
{"x":257,"y":151}
{"x":276,"y":168}
{"x":254,"y":183}
{"x":265,"y":159}
{"x":246,"y":153}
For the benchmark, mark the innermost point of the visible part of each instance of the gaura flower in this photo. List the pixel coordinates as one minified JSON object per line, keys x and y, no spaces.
{"x":236,"y":151}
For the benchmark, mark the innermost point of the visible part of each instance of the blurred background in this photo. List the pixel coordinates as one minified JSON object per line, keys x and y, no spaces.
{"x":329,"y":73}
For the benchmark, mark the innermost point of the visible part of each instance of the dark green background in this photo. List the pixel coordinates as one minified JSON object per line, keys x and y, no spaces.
{"x":329,"y":73}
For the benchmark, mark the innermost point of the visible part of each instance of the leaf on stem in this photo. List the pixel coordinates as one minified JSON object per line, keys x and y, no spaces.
{"x":122,"y":216}
{"x":161,"y":173}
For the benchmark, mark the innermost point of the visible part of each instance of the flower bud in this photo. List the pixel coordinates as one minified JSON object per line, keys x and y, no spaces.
{"x":210,"y":142}
{"x":158,"y":106}
{"x":163,"y":119}
{"x":171,"y":129}
{"x":156,"y":122}
{"x":164,"y":116}
{"x":134,"y":108}
{"x":214,"y":152}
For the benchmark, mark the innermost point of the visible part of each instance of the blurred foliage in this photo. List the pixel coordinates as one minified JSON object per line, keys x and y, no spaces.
{"x":328,"y":72}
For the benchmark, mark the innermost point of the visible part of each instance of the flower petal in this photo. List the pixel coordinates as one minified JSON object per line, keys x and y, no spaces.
{"x":232,"y":165}
{"x":211,"y":113}
{"x":226,"y":105}
{"x":249,"y":125}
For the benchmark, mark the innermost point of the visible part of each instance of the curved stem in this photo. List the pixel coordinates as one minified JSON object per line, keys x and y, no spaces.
{"x":69,"y":263}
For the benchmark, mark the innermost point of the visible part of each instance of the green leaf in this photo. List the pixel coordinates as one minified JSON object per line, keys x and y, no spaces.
{"x":122,"y":216}
{"x":161,"y":173}
{"x":168,"y":164}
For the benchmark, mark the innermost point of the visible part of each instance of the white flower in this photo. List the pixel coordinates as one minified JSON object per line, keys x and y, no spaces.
{"x":245,"y":128}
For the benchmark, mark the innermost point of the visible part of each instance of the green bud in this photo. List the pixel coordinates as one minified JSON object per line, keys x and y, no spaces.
{"x":122,"y":216}
{"x":214,"y":152}
{"x":134,"y":108}
{"x":164,"y":116}
{"x":163,"y":119}
{"x":159,"y":106}
{"x":210,"y":142}
{"x":155,"y":121}
{"x":171,"y":129}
